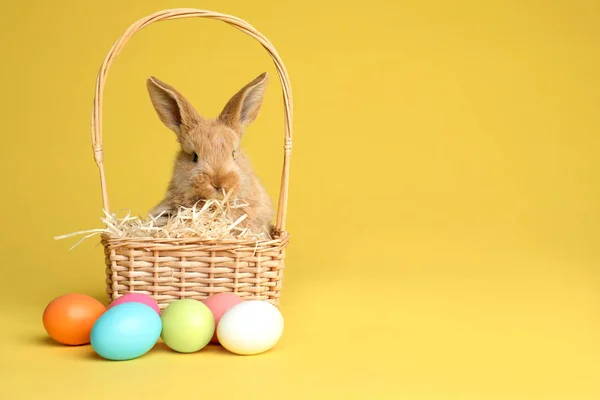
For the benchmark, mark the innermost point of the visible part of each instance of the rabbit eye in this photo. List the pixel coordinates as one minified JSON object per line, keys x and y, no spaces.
{"x":233,"y":154}
{"x":195,"y":157}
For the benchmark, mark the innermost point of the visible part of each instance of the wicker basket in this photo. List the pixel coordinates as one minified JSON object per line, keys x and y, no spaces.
{"x":192,"y":268}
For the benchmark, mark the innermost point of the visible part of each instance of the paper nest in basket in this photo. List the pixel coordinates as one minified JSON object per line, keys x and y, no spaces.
{"x":207,"y":219}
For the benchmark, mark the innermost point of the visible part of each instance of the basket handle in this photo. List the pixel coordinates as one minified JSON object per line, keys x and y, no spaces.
{"x":238,"y":23}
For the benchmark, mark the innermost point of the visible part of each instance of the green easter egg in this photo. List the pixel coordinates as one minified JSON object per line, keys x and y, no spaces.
{"x":188,"y":325}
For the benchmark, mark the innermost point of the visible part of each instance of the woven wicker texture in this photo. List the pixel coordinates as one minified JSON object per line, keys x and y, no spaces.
{"x":171,"y":269}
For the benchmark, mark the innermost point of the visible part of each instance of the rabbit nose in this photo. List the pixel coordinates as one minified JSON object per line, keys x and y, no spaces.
{"x":217,"y":188}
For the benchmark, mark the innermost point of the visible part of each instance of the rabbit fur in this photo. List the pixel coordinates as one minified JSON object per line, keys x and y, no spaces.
{"x":210,"y":162}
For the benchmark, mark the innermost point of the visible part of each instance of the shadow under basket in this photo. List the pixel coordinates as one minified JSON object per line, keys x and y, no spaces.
{"x":170,"y":269}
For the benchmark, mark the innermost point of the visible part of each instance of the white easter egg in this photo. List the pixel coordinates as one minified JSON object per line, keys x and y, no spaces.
{"x":251,"y":327}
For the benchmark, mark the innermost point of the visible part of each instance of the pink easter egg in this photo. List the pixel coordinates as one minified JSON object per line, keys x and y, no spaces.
{"x":136,"y":298}
{"x":219,"y":304}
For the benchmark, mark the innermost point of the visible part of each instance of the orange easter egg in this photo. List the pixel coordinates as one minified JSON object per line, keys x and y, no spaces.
{"x":69,"y":319}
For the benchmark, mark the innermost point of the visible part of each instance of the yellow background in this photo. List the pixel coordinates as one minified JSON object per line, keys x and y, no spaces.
{"x":443,"y":204}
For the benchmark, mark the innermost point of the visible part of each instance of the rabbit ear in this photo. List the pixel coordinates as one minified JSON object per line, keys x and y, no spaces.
{"x":172,"y":108}
{"x":244,"y":106}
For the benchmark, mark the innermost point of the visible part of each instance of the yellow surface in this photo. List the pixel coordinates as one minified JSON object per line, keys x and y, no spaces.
{"x":443,"y":207}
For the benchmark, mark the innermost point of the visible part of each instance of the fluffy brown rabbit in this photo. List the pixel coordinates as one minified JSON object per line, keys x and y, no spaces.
{"x":210,"y":161}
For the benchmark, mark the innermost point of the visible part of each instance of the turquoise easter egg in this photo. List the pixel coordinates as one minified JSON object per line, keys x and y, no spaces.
{"x":126,"y":331}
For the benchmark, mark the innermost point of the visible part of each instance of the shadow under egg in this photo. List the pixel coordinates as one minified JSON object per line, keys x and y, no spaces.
{"x":211,"y":348}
